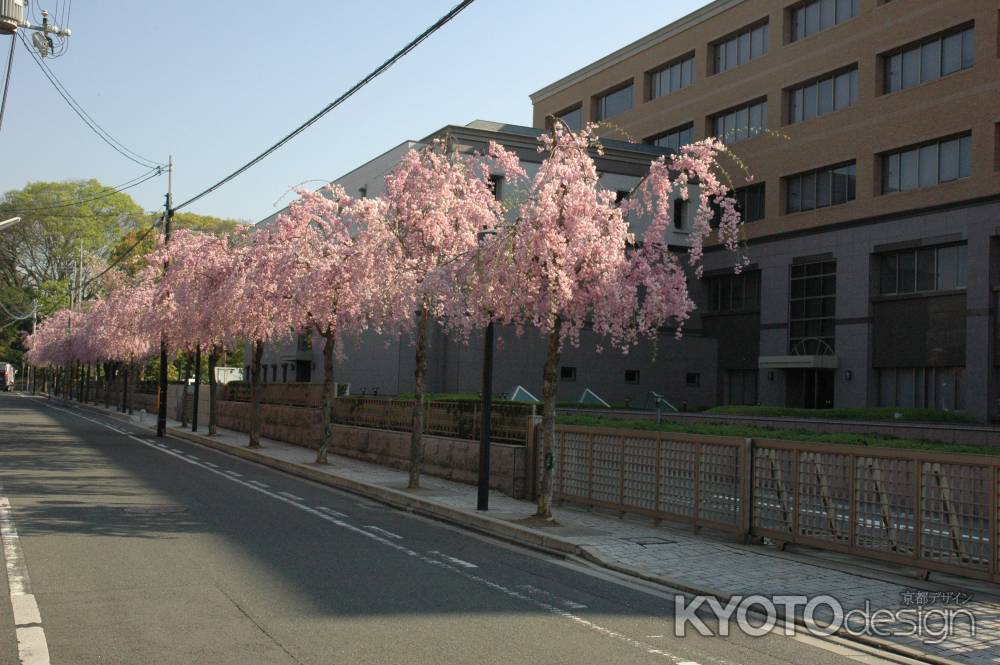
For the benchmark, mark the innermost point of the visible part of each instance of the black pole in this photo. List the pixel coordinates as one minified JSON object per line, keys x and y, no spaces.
{"x":483,"y":497}
{"x":197,"y":385}
{"x":125,"y":389}
{"x":161,"y":411}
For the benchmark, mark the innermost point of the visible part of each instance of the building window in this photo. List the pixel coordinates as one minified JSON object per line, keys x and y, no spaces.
{"x":671,"y":77}
{"x":740,"y":48}
{"x":923,"y":269}
{"x":812,"y":308}
{"x":822,"y":188}
{"x":632,"y":376}
{"x":567,"y":373}
{"x":921,"y":387}
{"x":692,"y":379}
{"x":680,"y":213}
{"x":674,"y":138}
{"x":819,"y":15}
{"x":826,"y":95}
{"x":936,"y":57}
{"x":611,"y":104}
{"x":284,"y":372}
{"x":733,"y":293}
{"x":750,"y":202}
{"x":741,"y":123}
{"x":927,"y":165}
{"x":573,"y":118}
{"x":496,"y":185}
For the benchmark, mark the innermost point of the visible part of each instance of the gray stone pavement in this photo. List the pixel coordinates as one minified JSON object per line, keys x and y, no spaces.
{"x":701,"y":562}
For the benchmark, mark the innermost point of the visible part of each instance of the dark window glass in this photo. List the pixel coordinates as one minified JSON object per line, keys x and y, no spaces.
{"x":968,"y":48}
{"x":812,"y":307}
{"x":838,"y":185}
{"x":693,"y":379}
{"x":951,"y":54}
{"x":827,"y":14}
{"x":894,"y":73}
{"x":908,"y":176}
{"x":671,"y":78}
{"x":907,"y":273}
{"x":928,"y":165}
{"x":823,"y":187}
{"x":852,"y":180}
{"x":911,"y":68}
{"x":825,"y":97}
{"x":947,"y":267}
{"x":740,"y":48}
{"x":812,"y":18}
{"x":809,"y":191}
{"x":842,"y":91}
{"x":741,"y":123}
{"x":680,"y":213}
{"x":613,"y":103}
{"x":890,"y":173}
{"x":810,"y":101}
{"x":631,"y":376}
{"x":965,"y":157}
{"x":930,"y":61}
{"x":567,"y":373}
{"x":794,"y":194}
{"x":925,"y":270}
{"x":573,"y":118}
{"x":798,"y":23}
{"x":948,"y":160}
{"x":795,"y":110}
{"x":887,"y":274}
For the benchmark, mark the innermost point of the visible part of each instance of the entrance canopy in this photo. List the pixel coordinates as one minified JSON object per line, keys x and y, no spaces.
{"x":797,"y":362}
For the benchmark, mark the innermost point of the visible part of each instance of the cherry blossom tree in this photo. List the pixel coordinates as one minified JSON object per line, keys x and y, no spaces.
{"x":315,"y":243}
{"x":416,"y":239}
{"x":570,"y":260}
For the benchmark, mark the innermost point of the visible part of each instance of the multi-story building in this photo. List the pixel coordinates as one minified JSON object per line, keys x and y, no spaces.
{"x":872,"y":130}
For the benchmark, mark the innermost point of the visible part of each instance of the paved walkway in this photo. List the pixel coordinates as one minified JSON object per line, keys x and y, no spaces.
{"x":692,"y":562}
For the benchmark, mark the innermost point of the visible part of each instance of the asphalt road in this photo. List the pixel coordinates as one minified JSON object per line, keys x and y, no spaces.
{"x":143,"y":554}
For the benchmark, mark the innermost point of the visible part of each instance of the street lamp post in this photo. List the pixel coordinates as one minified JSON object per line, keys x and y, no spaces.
{"x":9,"y":222}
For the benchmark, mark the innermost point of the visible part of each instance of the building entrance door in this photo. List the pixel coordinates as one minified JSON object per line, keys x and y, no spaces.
{"x":810,"y":388}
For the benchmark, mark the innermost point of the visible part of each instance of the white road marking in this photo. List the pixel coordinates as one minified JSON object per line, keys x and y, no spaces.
{"x":177,"y":450}
{"x":233,"y":473}
{"x":259,"y":484}
{"x":573,"y":605}
{"x":456,"y":561}
{"x":289,"y":495}
{"x":214,"y":466}
{"x":194,"y":457}
{"x":451,"y":564}
{"x":331,"y":511}
{"x":32,"y":648}
{"x":379,"y":529}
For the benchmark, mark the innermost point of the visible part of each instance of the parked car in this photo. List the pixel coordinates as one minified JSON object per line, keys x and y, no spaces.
{"x":7,"y":373}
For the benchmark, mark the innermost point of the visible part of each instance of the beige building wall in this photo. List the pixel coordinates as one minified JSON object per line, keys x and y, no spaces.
{"x":968,"y":100}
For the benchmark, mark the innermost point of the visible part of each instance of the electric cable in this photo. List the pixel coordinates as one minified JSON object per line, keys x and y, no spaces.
{"x":87,"y":119}
{"x":6,"y":80}
{"x":128,"y":184}
{"x":337,"y":102}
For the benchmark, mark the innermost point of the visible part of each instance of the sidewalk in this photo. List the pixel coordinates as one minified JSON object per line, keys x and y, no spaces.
{"x":701,"y":564}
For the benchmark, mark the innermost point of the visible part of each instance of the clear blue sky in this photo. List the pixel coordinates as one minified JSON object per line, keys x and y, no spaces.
{"x":213,"y":83}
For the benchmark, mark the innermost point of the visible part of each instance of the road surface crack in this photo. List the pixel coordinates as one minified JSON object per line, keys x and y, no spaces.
{"x":258,"y":625}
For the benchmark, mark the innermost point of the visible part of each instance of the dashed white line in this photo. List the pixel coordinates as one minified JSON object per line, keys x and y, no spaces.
{"x":331,"y":511}
{"x":32,"y":648}
{"x":293,"y":497}
{"x":379,"y":529}
{"x":259,"y":483}
{"x":214,"y":466}
{"x":233,"y":473}
{"x":454,"y":560}
{"x":456,"y":566}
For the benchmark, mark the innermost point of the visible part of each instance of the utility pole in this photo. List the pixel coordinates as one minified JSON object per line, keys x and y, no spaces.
{"x":161,"y":415}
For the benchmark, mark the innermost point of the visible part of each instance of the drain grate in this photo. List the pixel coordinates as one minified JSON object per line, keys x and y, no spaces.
{"x":155,"y":510}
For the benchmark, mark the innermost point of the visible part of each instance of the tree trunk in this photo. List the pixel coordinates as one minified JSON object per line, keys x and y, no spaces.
{"x":197,"y":389}
{"x":329,"y":393}
{"x":182,"y":398}
{"x":550,"y":378}
{"x":213,"y":396}
{"x":258,"y":354}
{"x":125,"y":388}
{"x":417,"y":437}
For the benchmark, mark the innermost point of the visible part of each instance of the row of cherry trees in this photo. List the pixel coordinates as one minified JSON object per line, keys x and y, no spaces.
{"x":437,"y":247}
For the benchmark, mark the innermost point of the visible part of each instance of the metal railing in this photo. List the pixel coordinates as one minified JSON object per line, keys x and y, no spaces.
{"x":934,"y":511}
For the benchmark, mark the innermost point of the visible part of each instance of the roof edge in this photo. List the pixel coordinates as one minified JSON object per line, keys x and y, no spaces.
{"x":680,"y":25}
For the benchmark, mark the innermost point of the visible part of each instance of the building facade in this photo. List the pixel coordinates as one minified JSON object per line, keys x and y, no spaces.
{"x":872,"y":131}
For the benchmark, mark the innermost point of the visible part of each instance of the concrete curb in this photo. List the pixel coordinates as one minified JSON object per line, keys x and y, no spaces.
{"x":493,"y":527}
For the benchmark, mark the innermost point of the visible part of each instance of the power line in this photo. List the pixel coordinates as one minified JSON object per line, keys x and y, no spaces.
{"x":128,"y":184}
{"x":125,"y":254}
{"x":6,"y":80}
{"x":337,"y":102}
{"x":87,"y":119}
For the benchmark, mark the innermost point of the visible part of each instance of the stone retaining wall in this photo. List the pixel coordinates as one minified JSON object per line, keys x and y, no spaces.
{"x":454,"y":459}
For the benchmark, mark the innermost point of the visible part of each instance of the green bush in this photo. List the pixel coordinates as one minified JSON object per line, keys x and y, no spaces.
{"x":757,"y":432}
